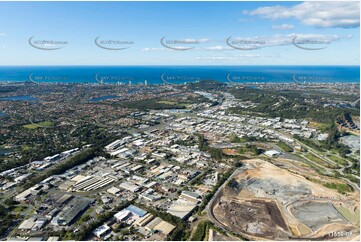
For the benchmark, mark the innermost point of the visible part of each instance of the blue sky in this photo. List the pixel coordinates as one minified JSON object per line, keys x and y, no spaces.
{"x":259,"y":33}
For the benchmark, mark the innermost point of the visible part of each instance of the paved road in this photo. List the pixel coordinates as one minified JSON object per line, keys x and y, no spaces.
{"x":209,"y":207}
{"x":324,"y":158}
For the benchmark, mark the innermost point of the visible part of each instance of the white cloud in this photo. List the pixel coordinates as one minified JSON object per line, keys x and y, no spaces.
{"x":282,"y":27}
{"x":243,"y":58}
{"x":204,"y":40}
{"x":258,"y":42}
{"x":3,"y":34}
{"x":155,"y":49}
{"x":215,"y":58}
{"x":281,"y":40}
{"x":227,"y":58}
{"x":216,"y":48}
{"x":319,"y":14}
{"x":189,"y":40}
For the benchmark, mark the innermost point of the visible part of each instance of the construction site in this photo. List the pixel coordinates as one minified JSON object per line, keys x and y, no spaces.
{"x":262,"y":201}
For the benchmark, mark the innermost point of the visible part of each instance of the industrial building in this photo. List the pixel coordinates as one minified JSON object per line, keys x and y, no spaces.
{"x":272,"y":153}
{"x":90,"y":183}
{"x":102,"y":232}
{"x":164,"y":227}
{"x":144,"y":220}
{"x":130,"y":212}
{"x":64,"y":199}
{"x":122,"y":215}
{"x":159,"y":225}
{"x":138,"y":212}
{"x":71,"y":211}
{"x":33,"y":224}
{"x":115,"y":145}
{"x":150,"y":226}
{"x":114,"y":191}
{"x":130,"y":186}
{"x":191,"y":196}
{"x":27,"y":224}
{"x":181,"y":208}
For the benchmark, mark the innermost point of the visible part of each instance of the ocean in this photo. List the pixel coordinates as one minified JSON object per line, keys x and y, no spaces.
{"x":179,"y":74}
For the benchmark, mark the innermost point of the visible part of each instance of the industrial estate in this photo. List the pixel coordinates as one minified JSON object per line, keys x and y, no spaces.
{"x":198,"y":161}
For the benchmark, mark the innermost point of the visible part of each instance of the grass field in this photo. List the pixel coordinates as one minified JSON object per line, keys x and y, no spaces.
{"x":85,"y":216}
{"x":174,"y":103}
{"x":337,"y":159}
{"x":38,"y":125}
{"x":25,"y":147}
{"x":318,"y":169}
{"x":19,"y":209}
{"x":339,"y":187}
{"x":168,"y":102}
{"x":285,"y":147}
{"x":319,"y":126}
{"x":318,"y":160}
{"x":352,"y":217}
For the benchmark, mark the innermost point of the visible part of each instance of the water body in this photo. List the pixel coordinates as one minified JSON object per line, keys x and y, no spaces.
{"x":3,"y":151}
{"x":2,"y":114}
{"x":102,"y":98}
{"x":179,"y":74}
{"x":19,"y":98}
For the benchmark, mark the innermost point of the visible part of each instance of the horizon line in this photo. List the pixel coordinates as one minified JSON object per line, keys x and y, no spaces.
{"x":161,"y":65}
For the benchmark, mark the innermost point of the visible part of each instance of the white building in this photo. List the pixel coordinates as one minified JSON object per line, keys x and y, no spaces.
{"x":272,"y":153}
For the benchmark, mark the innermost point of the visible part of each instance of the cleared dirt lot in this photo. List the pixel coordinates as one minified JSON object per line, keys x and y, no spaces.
{"x":315,"y":215}
{"x":257,"y":217}
{"x":267,"y":202}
